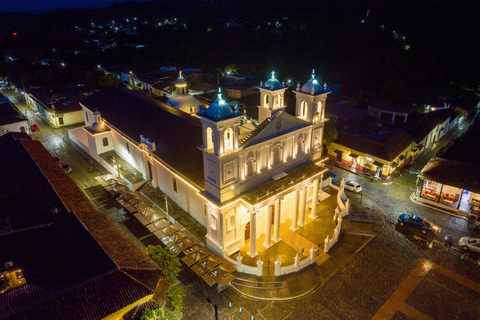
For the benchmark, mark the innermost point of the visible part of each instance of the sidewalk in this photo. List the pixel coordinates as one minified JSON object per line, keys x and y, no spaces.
{"x":360,"y":227}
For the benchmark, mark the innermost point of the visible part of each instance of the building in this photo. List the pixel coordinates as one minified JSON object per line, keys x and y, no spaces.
{"x":11,"y":119}
{"x":450,"y":179}
{"x":58,"y":110}
{"x":236,"y":178}
{"x":387,"y":138}
{"x":75,"y":260}
{"x":182,"y":100}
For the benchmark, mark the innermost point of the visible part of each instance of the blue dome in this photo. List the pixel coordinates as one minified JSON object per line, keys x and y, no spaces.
{"x":272,"y":83}
{"x":312,"y":84}
{"x":219,"y":108}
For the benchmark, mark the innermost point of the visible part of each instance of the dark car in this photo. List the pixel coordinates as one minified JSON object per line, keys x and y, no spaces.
{"x":65,"y":166}
{"x":35,"y":127}
{"x":414,"y":221}
{"x":331,"y":174}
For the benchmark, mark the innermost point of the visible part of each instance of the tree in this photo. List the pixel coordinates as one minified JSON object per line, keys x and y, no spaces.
{"x":166,"y":259}
{"x":153,"y":314}
{"x":176,"y":294}
{"x":330,"y":133}
{"x":107,"y":80}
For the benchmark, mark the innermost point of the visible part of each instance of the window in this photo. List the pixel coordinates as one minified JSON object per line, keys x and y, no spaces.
{"x":86,"y":116}
{"x":277,"y":154}
{"x":128,"y":147}
{"x":105,"y":142}
{"x":60,"y":120}
{"x":250,"y":167}
{"x":303,"y":109}
{"x":174,"y":184}
{"x":209,"y":142}
{"x":266,"y":101}
{"x":228,"y":139}
{"x":231,"y":222}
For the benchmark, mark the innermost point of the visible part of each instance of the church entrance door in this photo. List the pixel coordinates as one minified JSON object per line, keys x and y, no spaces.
{"x":247,"y":231}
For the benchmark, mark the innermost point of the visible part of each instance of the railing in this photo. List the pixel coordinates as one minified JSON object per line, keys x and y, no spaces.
{"x":341,"y":211}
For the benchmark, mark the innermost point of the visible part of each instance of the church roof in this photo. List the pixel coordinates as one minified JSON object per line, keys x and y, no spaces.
{"x":220,"y":109}
{"x":312,"y":86}
{"x":175,"y":133}
{"x":272,"y":83}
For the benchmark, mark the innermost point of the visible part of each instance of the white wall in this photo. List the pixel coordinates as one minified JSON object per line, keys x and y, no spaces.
{"x":13,"y":127}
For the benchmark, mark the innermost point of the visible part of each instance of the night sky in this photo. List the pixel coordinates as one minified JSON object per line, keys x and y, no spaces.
{"x":39,"y":6}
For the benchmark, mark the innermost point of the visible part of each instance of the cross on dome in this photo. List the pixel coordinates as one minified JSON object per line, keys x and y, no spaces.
{"x":180,"y":73}
{"x":220,"y":94}
{"x":273,"y":74}
{"x":313,"y":73}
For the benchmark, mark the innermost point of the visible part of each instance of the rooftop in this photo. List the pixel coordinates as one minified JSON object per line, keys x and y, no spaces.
{"x":77,"y":263}
{"x":176,"y":134}
{"x":10,"y":114}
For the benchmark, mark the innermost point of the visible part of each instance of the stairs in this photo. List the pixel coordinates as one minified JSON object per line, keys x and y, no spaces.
{"x":262,"y":290}
{"x":262,"y":125}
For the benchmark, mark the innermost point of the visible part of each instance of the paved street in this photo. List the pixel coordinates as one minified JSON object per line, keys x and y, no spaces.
{"x":363,"y":286}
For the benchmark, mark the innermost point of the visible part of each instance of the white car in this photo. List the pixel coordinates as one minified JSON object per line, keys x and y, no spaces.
{"x":470,"y":244}
{"x":353,"y":186}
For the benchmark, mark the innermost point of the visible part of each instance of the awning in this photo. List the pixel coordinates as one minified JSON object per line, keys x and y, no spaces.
{"x":353,"y":155}
{"x":419,"y":147}
{"x":378,"y":164}
{"x":402,"y":157}
{"x":367,"y":165}
{"x":442,"y":128}
{"x":338,"y":151}
{"x":394,"y":164}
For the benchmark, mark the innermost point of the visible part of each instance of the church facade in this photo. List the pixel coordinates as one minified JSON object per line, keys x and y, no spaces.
{"x":255,"y":175}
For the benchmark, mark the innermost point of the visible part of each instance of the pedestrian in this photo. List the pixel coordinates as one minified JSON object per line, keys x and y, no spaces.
{"x":448,"y":241}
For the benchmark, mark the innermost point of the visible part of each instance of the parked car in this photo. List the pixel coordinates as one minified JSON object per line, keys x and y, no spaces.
{"x":56,"y":159}
{"x":65,"y":166}
{"x":331,"y":174}
{"x":475,"y":220}
{"x":417,"y":222}
{"x":35,"y":127}
{"x":472,"y":244}
{"x":353,"y":186}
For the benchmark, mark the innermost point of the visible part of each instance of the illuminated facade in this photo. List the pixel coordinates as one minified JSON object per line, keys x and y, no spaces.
{"x":256,"y":176}
{"x":256,"y":179}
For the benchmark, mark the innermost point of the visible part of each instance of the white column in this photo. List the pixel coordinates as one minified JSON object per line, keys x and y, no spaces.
{"x":295,"y":212}
{"x":268,"y":227}
{"x":253,"y":234}
{"x":313,"y":214}
{"x":276,"y":226}
{"x":303,"y":202}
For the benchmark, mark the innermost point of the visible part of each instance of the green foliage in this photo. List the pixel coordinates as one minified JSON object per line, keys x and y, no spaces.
{"x":153,"y":314}
{"x":173,"y":315}
{"x":160,"y":314}
{"x":176,"y":294}
{"x":166,"y":259}
{"x":107,"y":80}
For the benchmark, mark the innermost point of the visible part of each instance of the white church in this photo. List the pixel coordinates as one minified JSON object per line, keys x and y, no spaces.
{"x":238,"y":178}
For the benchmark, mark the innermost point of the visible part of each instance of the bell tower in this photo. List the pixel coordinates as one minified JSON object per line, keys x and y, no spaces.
{"x":272,"y":97}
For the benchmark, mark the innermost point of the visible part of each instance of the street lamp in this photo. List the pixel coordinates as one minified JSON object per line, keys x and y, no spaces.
{"x":215,"y":308}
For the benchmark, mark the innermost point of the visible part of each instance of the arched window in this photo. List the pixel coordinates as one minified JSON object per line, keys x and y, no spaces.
{"x":303,"y":109}
{"x":228,"y":139}
{"x":277,"y":154}
{"x":105,"y":142}
{"x":300,"y":146}
{"x":251,"y":164}
{"x":277,"y":101}
{"x":209,"y":142}
{"x":319,"y":113}
{"x":266,"y":101}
